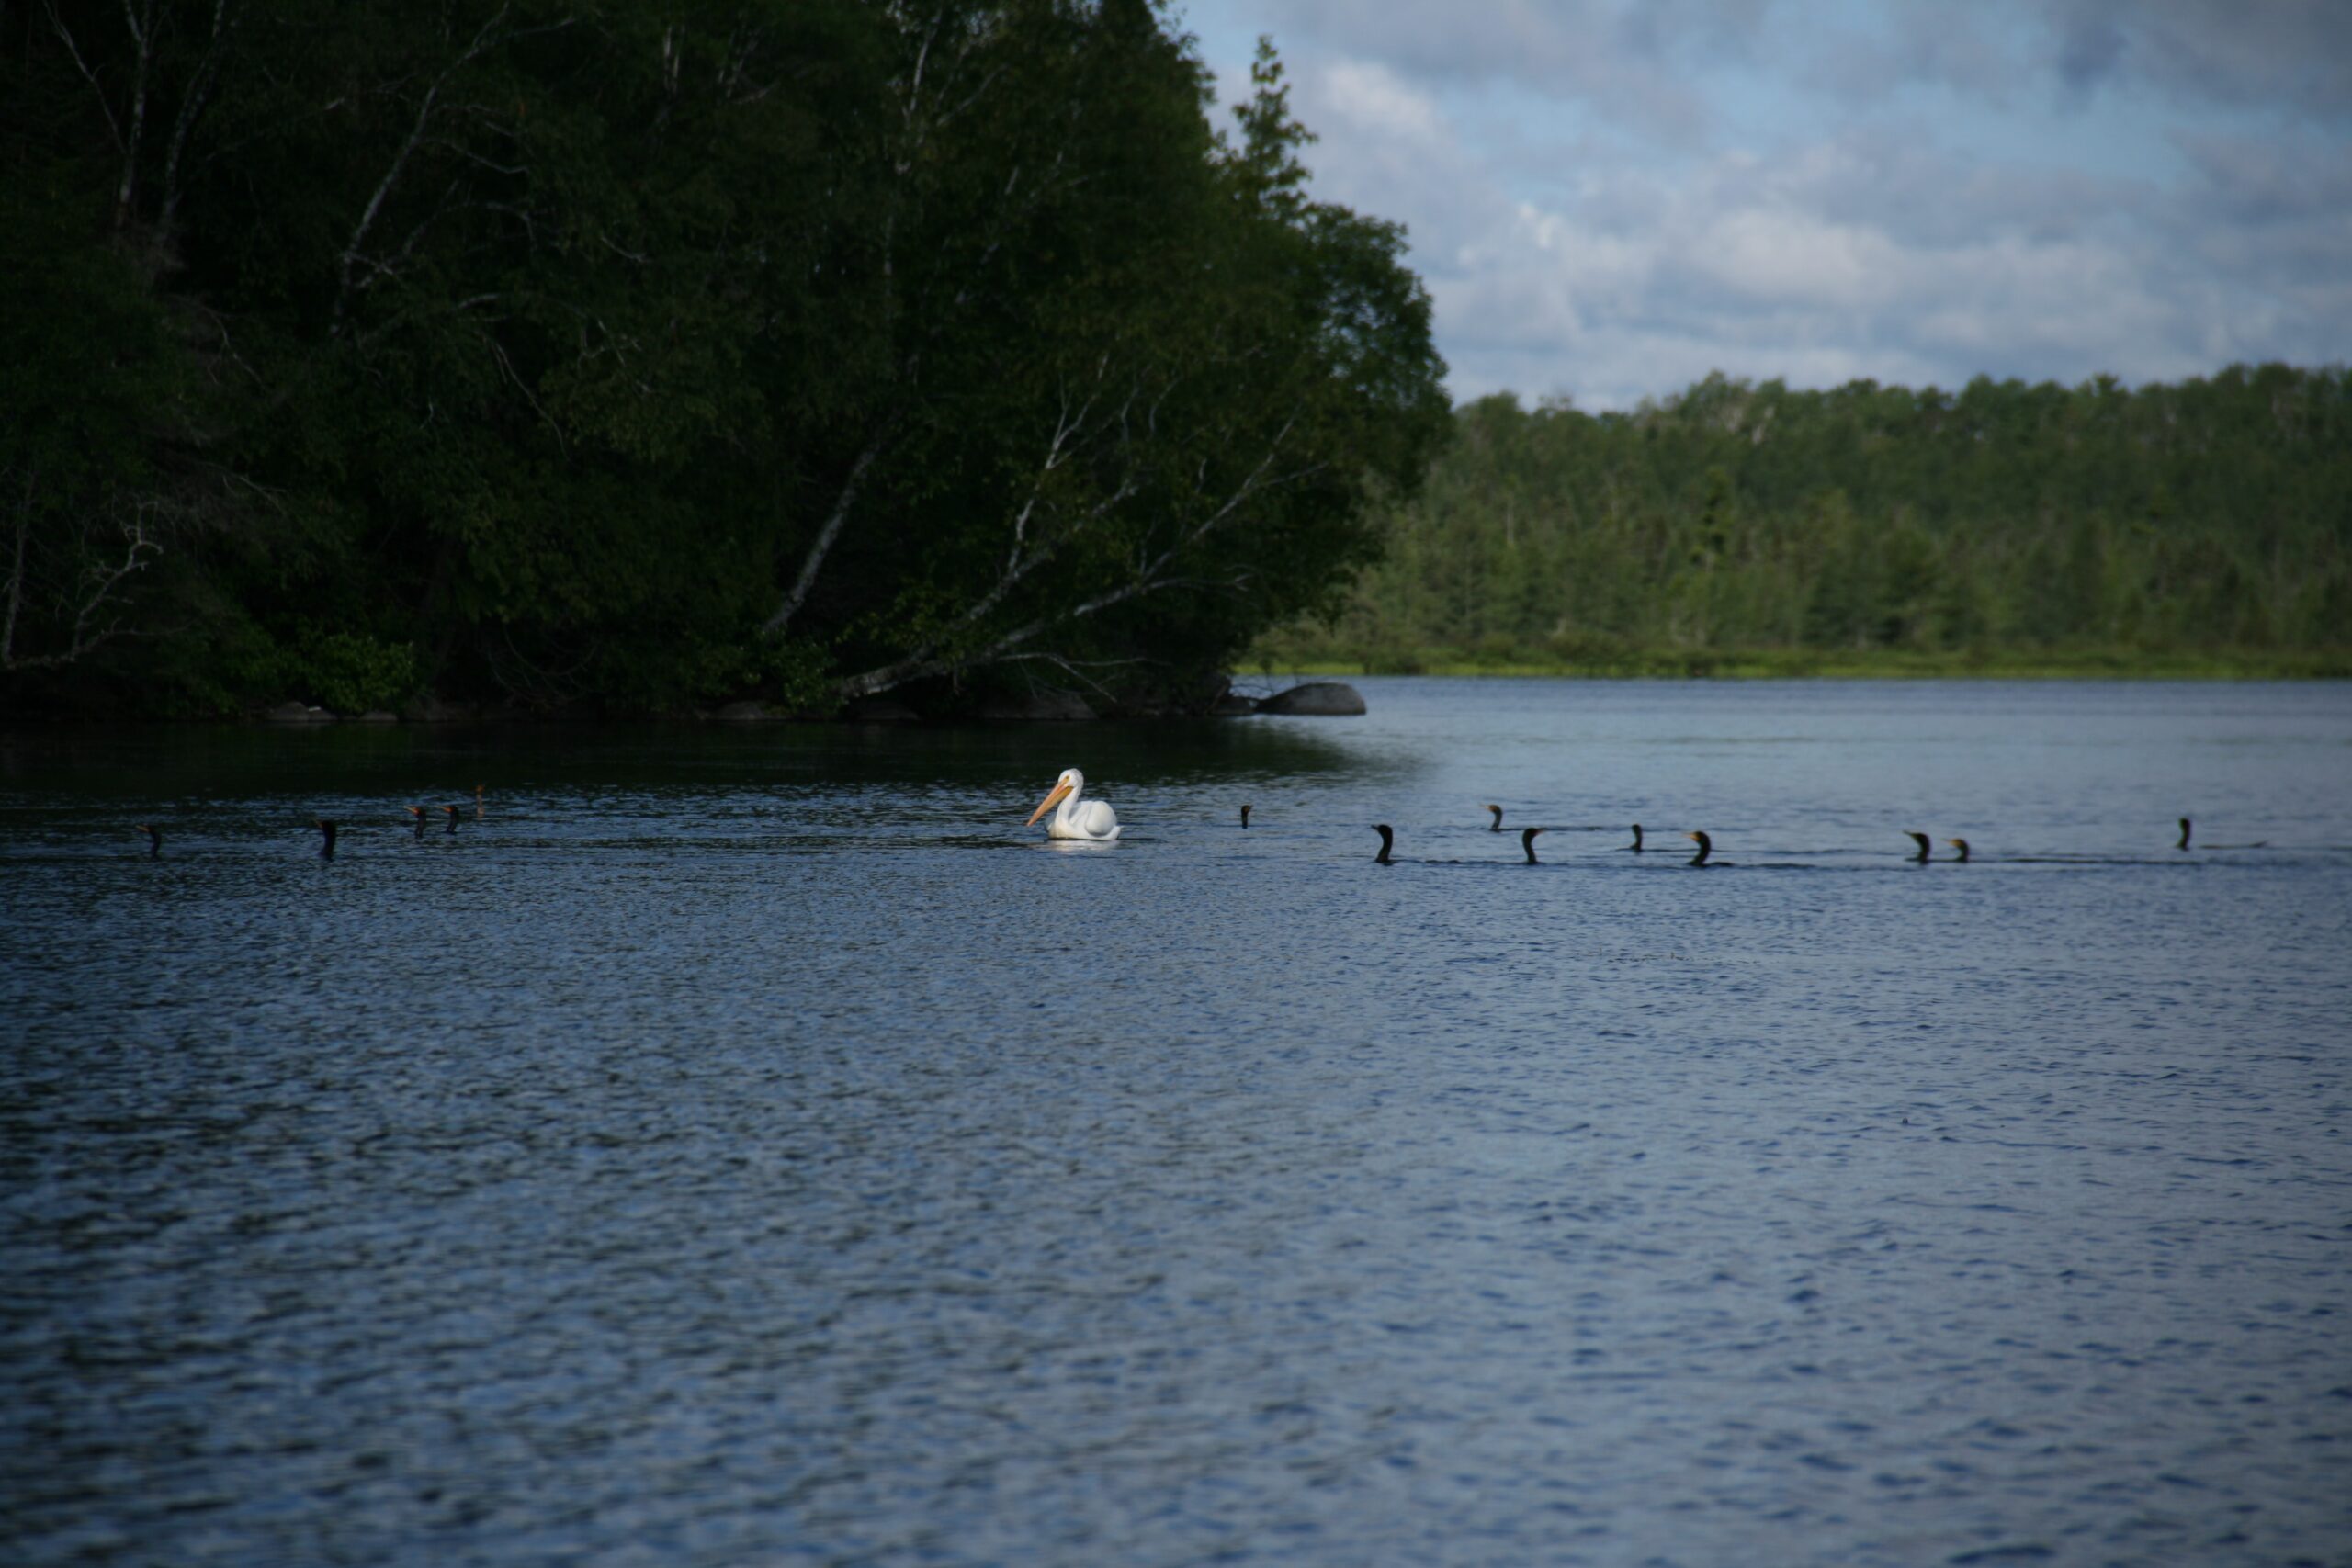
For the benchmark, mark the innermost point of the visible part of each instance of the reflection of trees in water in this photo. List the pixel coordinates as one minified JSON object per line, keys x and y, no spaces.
{"x":313,"y":760}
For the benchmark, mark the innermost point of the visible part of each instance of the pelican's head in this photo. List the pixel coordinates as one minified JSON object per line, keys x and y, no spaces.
{"x":1069,"y":784}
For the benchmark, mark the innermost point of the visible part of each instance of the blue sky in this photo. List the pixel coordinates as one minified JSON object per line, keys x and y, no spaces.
{"x":1610,"y":199}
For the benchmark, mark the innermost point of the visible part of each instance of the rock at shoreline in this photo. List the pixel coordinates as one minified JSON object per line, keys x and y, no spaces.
{"x":1330,"y":699}
{"x":297,"y":713}
{"x":748,"y":711}
{"x":880,"y":710}
{"x":1055,"y":706}
{"x":376,"y":716}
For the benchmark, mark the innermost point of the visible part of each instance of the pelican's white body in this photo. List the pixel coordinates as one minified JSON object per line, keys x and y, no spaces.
{"x":1074,"y":817}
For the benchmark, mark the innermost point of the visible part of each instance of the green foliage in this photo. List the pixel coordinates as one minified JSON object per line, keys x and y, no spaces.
{"x":351,"y":673}
{"x":2007,"y":524}
{"x":631,"y":359}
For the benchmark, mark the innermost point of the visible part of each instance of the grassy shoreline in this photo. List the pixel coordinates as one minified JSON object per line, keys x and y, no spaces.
{"x":1887,"y":664}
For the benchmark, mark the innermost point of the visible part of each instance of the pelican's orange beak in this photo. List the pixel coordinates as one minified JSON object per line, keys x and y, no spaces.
{"x":1047,"y":805}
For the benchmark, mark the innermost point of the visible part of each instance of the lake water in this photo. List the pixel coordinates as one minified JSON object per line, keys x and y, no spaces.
{"x":751,"y":1146}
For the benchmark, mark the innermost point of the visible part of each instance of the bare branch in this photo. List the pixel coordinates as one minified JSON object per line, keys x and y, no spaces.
{"x":16,"y":573}
{"x":487,"y":39}
{"x":99,"y":589}
{"x":142,"y":36}
{"x":73,"y":52}
{"x":1156,"y":574}
{"x":192,"y":105}
{"x":774,"y":624}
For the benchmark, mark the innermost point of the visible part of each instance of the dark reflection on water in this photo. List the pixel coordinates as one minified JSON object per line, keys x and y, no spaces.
{"x":706,"y":1157}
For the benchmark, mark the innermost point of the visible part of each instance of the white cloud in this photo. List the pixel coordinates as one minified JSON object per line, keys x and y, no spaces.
{"x":1611,"y":200}
{"x":1370,"y":99}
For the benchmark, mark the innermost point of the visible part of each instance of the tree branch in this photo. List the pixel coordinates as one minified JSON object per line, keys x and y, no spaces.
{"x":775,"y":625}
{"x":1155,"y":575}
{"x":103,"y":579}
{"x":487,"y":39}
{"x":192,"y":105}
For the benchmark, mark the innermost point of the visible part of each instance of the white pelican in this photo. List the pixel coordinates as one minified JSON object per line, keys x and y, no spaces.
{"x":1077,"y":818}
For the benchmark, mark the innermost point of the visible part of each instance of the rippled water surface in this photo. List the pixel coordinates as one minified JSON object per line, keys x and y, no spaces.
{"x":749,"y":1145}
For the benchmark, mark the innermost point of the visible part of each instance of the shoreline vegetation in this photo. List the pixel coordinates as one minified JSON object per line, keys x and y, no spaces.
{"x":1783,"y":664}
{"x":633,"y":361}
{"x":803,"y":355}
{"x":2198,"y":530}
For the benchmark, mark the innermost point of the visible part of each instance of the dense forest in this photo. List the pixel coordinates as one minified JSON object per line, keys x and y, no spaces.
{"x":1740,"y":526}
{"x":584,"y":355}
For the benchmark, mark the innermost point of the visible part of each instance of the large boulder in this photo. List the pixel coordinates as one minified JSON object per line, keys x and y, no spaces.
{"x":1330,"y":699}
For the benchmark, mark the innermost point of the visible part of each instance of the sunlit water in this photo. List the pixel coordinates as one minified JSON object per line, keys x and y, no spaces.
{"x":749,"y":1146}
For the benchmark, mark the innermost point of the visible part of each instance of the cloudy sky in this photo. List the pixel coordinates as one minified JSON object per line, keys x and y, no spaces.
{"x":1609,"y":199}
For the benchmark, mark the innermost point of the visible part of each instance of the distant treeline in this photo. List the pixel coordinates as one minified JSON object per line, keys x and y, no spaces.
{"x":1739,"y":523}
{"x":590,"y":356}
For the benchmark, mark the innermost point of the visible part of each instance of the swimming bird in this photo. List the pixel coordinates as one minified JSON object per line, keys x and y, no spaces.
{"x":1921,"y":839}
{"x":1527,"y":842}
{"x":1245,"y":815}
{"x":1388,"y":842}
{"x":477,"y":803}
{"x":1498,"y":826}
{"x":326,"y":839}
{"x":451,"y":830}
{"x":1077,"y":818}
{"x":1636,"y":845}
{"x":155,"y":840}
{"x":1706,"y":847}
{"x":1962,"y":845}
{"x":2184,"y":835}
{"x":418,"y":812}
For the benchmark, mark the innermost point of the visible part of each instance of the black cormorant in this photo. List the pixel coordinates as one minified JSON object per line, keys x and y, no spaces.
{"x":1498,"y":826}
{"x":1920,"y":839}
{"x":1962,"y":845}
{"x":326,"y":839}
{"x":1245,"y":814}
{"x":2184,"y":835}
{"x":1636,"y":845}
{"x":1706,"y":847}
{"x":1527,"y":842}
{"x":155,"y":840}
{"x":1388,"y":842}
